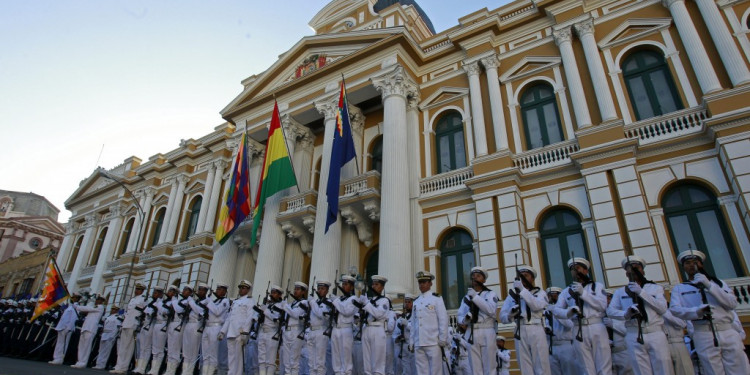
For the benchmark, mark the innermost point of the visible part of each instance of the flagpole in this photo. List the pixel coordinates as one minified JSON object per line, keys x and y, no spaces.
{"x":283,"y":132}
{"x":44,"y":271}
{"x":343,"y":85}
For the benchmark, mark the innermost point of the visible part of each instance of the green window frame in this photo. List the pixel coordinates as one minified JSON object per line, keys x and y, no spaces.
{"x":98,"y":247}
{"x":126,"y":237}
{"x":371,"y":268}
{"x":74,"y":255}
{"x":541,"y":119}
{"x":694,"y":220}
{"x":456,"y":260}
{"x":159,"y":219}
{"x":449,"y":142}
{"x":376,"y":155}
{"x":561,"y":234}
{"x":195,"y":210}
{"x":650,"y":85}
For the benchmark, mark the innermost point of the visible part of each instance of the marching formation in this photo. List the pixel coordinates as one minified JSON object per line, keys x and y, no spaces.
{"x":342,"y":329}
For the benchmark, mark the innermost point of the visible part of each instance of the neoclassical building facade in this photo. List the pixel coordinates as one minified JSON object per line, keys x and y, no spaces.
{"x":536,"y":131}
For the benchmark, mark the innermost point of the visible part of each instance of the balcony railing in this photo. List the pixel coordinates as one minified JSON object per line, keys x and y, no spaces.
{"x":88,"y":271}
{"x":298,"y":202}
{"x":668,"y":126}
{"x":741,"y":288}
{"x":369,"y":180}
{"x":448,"y":181}
{"x":546,"y":157}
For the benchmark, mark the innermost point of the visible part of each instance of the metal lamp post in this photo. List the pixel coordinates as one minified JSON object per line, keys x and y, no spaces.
{"x":141,"y":214}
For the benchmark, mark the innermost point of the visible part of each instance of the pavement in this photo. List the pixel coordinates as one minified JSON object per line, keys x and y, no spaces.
{"x":13,"y":366}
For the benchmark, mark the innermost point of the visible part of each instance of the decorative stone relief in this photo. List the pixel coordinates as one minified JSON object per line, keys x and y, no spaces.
{"x":300,"y":234}
{"x":395,"y":82}
{"x":563,"y":35}
{"x":363,"y":224}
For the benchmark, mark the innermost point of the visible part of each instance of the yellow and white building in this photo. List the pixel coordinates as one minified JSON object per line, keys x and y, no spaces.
{"x":537,"y":130}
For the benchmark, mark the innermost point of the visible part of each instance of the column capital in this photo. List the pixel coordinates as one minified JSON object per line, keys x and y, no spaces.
{"x":356,"y":119}
{"x":219,"y":165}
{"x":149,"y":192}
{"x":585,"y":27}
{"x":182,"y":180}
{"x":395,"y":82}
{"x":90,"y":220}
{"x":116,"y":210}
{"x":490,"y":62}
{"x":472,"y":68}
{"x":293,"y":130}
{"x":563,"y":35}
{"x":327,"y":107}
{"x":412,"y":102}
{"x":727,"y":199}
{"x":668,"y":3}
{"x":253,"y":149}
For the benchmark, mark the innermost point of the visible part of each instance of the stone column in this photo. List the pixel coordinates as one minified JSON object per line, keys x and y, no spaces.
{"x":707,"y":78}
{"x":728,"y":202}
{"x":139,"y":195}
{"x":302,"y":156}
{"x":168,"y":212}
{"x":223,"y":264}
{"x":395,"y":235}
{"x":83,"y":252}
{"x":206,"y":198}
{"x":730,"y":54}
{"x":108,"y":248}
{"x":417,"y":239}
{"x":137,"y":240}
{"x":477,"y":112}
{"x":585,"y":31}
{"x":670,"y":260}
{"x":596,"y":260}
{"x":216,"y":195}
{"x":174,"y":218}
{"x":326,"y":246}
{"x":66,"y":245}
{"x":578,"y":97}
{"x":496,"y":103}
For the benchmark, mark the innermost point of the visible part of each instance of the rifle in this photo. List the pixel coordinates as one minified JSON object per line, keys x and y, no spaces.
{"x":577,"y":298}
{"x":152,"y":315}
{"x":184,"y":315}
{"x":283,"y":318}
{"x":204,"y":316}
{"x":709,"y":317}
{"x":308,"y":310}
{"x":261,"y":316}
{"x":333,"y":315}
{"x":550,"y":331}
{"x":362,"y":315}
{"x":141,"y":318}
{"x":515,"y":293}
{"x":636,"y":276}
{"x":170,"y":315}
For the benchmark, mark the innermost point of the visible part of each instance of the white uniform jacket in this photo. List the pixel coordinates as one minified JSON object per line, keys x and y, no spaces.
{"x":594,"y":302}
{"x":654,"y":302}
{"x":533,"y":304}
{"x":346,"y":309}
{"x":68,"y":320}
{"x":111,"y":324}
{"x":239,"y":317}
{"x":686,"y":300}
{"x":429,"y":321}
{"x":134,"y":310}
{"x":486,"y":302}
{"x":91,"y":323}
{"x":377,"y":309}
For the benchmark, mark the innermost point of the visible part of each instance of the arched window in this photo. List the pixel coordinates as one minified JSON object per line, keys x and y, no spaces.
{"x":449,"y":142}
{"x":457,"y":259}
{"x":125,"y":237}
{"x":98,"y":247}
{"x":316,"y":175}
{"x":74,"y":255}
{"x":195,"y":208}
{"x":540,"y":117}
{"x":561,"y":234}
{"x":694,"y":219}
{"x":158,"y":223}
{"x":650,"y":86}
{"x":376,"y":155}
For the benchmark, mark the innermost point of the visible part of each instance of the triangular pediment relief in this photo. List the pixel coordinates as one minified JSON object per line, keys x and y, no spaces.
{"x":88,"y":186}
{"x":42,"y":223}
{"x":528,"y":66}
{"x":633,"y":29}
{"x":195,"y":187}
{"x":443,"y":95}
{"x":160,"y":200}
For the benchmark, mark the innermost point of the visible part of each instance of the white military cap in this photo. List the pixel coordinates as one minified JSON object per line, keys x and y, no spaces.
{"x":223,"y":285}
{"x":529,"y":269}
{"x":500,"y":337}
{"x":691,"y":254}
{"x":114,"y":307}
{"x":75,"y":294}
{"x":481,"y":270}
{"x":277,"y":288}
{"x":203,"y":285}
{"x":632,"y":259}
{"x":245,"y":283}
{"x":424,"y":275}
{"x":348,"y":279}
{"x":580,"y":261}
{"x":172,"y":287}
{"x":553,"y":289}
{"x":300,"y":284}
{"x":140,"y":285}
{"x":159,"y":288}
{"x":380,"y":278}
{"x":409,"y":296}
{"x":320,"y":283}
{"x":186,"y":286}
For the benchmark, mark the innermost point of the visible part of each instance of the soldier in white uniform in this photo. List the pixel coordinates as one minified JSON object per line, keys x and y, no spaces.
{"x":191,"y":335}
{"x":216,"y":314}
{"x":88,"y":330}
{"x":674,"y":328}
{"x":622,"y":362}
{"x":342,"y":336}
{"x":178,"y":306}
{"x":708,"y":304}
{"x":293,"y":325}
{"x":462,"y":350}
{"x":585,"y":303}
{"x":503,"y":357}
{"x":390,"y":326}
{"x":403,"y":357}
{"x":317,"y":342}
{"x":145,"y":336}
{"x":374,"y":343}
{"x":267,"y":346}
{"x":64,"y":328}
{"x":236,"y":328}
{"x":109,"y":335}
{"x":563,"y":358}
{"x":126,"y":344}
{"x":160,"y":316}
{"x":429,"y":328}
{"x":525,"y":307}
{"x":478,"y":311}
{"x":640,"y":304}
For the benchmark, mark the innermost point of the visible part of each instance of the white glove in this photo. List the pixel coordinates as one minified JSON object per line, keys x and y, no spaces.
{"x":442,"y":344}
{"x":411,"y":348}
{"x":515,"y":310}
{"x":311,"y":299}
{"x":704,"y":310}
{"x":517,"y":283}
{"x":573,"y":311}
{"x":471,"y":293}
{"x":402,"y":321}
{"x":607,"y":322}
{"x":467,"y":318}
{"x":631,"y":312}
{"x":700,"y":278}
{"x":577,"y":288}
{"x":243,"y":339}
{"x":634,"y":287}
{"x":220,"y":336}
{"x":363,"y":299}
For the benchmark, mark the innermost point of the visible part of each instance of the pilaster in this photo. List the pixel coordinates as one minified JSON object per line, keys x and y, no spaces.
{"x":563,"y":39}
{"x":585,"y":32}
{"x":477,"y":112}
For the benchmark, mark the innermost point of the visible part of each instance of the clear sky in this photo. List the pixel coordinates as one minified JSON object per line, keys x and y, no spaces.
{"x":134,"y":76}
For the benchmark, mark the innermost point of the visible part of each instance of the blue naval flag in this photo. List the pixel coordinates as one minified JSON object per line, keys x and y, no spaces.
{"x":341,"y":153}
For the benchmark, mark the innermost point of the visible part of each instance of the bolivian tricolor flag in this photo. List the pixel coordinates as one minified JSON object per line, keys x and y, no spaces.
{"x":277,"y":173}
{"x":54,"y":291}
{"x":237,"y":198}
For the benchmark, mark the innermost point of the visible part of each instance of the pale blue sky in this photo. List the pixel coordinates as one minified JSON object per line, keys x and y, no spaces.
{"x":135,"y":76}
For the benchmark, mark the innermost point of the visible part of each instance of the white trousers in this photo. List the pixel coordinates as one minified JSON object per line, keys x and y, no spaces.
{"x":564,"y":359}
{"x":174,"y":343}
{"x":653,"y":356}
{"x":726,"y":359}
{"x":532,"y":350}
{"x":594,"y":351}
{"x":374,"y":348}
{"x":61,"y":345}
{"x":105,"y":349}
{"x":144,"y":344}
{"x":464,"y":366}
{"x":291,"y":349}
{"x":125,"y":349}
{"x":483,"y":360}
{"x":390,"y":368}
{"x":191,"y":342}
{"x":342,"y":343}
{"x":428,"y":360}
{"x":267,"y":349}
{"x":681,"y":361}
{"x":210,"y":346}
{"x":622,"y":362}
{"x":158,"y":343}
{"x":84,"y":348}
{"x":316,"y":351}
{"x":235,"y":356}
{"x":405,"y":364}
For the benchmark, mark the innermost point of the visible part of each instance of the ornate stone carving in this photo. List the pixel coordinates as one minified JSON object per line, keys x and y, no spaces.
{"x":327,"y":108}
{"x":491,"y":62}
{"x":363,"y":224}
{"x":219,"y":165}
{"x":562,"y":36}
{"x":373,"y":209}
{"x":395,"y":82}
{"x":412,"y":102}
{"x":300,"y":234}
{"x":116,"y":210}
{"x":89,"y":220}
{"x":668,"y":3}
{"x":182,"y":180}
{"x":309,"y":222}
{"x":585,"y":27}
{"x":357,"y":119}
{"x":472,"y":69}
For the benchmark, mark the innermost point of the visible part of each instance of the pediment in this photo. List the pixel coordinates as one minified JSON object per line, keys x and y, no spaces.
{"x":528,"y":66}
{"x":89,"y":185}
{"x":160,"y":200}
{"x":42,"y":222}
{"x":633,"y":29}
{"x":443,"y":95}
